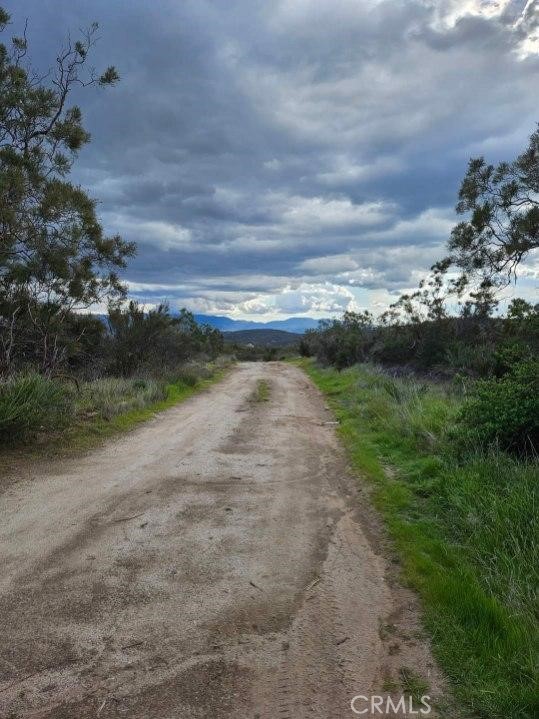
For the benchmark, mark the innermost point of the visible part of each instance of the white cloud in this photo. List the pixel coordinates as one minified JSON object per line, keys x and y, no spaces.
{"x":166,"y":235}
{"x":311,"y":212}
{"x":345,"y":170}
{"x":448,"y":12}
{"x":434,"y":223}
{"x":329,"y":265}
{"x":315,"y":300}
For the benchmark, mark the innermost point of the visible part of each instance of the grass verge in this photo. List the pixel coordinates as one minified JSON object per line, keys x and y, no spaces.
{"x":466,"y":529}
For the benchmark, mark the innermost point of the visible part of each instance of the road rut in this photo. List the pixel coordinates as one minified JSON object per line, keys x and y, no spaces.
{"x":218,"y":561}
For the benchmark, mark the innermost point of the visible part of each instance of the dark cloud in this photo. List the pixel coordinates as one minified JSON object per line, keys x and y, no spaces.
{"x":293,"y":156}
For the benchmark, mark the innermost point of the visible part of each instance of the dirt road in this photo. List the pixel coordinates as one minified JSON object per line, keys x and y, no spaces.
{"x":217,"y":561}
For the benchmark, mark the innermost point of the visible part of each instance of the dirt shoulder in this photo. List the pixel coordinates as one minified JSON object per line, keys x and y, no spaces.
{"x":218,"y":561}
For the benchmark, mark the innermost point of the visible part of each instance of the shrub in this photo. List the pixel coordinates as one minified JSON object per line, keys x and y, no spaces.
{"x":508,"y":355}
{"x":304,"y":348}
{"x":187,"y":377}
{"x":190,"y":374}
{"x":27,"y":402}
{"x":393,"y":346}
{"x":476,"y":359}
{"x":504,"y":411}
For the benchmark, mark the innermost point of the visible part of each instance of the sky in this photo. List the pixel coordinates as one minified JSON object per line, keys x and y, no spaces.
{"x":292,"y":157}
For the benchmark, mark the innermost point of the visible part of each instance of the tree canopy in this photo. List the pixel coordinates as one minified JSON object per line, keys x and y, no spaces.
{"x":502,"y":204}
{"x":54,"y":255}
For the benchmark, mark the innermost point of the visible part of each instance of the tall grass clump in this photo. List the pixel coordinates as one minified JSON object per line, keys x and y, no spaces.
{"x":111,"y":396}
{"x":491,"y":508}
{"x":75,"y":413}
{"x":30,"y":402}
{"x":417,"y":412}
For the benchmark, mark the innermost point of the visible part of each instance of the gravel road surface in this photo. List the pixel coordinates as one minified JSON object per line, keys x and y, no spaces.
{"x":218,"y":561}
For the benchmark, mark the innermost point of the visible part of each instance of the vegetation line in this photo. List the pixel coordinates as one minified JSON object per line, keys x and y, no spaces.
{"x":466,"y":527}
{"x":98,"y":429}
{"x":110,"y":409}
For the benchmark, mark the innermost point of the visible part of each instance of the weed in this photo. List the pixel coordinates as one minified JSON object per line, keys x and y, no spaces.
{"x":105,"y":407}
{"x":262,"y":391}
{"x":111,"y":396}
{"x":412,"y":684}
{"x":389,"y":685}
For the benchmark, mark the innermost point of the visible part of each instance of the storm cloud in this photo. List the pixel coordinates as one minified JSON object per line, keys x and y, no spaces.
{"x":294,"y":156}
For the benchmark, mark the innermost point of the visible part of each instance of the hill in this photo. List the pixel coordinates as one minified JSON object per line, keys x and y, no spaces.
{"x":263,"y":338}
{"x":226,"y":324}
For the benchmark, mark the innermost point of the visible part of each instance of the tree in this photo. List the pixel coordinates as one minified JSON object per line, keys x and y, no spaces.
{"x":54,"y":255}
{"x":503,"y":223}
{"x":481,"y":303}
{"x":144,"y":340}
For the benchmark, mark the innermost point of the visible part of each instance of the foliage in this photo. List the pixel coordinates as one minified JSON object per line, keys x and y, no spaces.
{"x":341,"y":343}
{"x":504,"y":411}
{"x":503,"y":207}
{"x":54,"y":255}
{"x":75,"y":415}
{"x":28,"y":403}
{"x":472,"y":343}
{"x":156,"y":340}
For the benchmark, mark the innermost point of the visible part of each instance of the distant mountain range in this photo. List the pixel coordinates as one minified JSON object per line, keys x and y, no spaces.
{"x":225,"y":324}
{"x":297,"y":325}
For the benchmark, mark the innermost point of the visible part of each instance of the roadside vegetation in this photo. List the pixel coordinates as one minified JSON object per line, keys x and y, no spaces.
{"x":438,"y":404}
{"x":56,"y":417}
{"x":465,"y":521}
{"x":254,"y":352}
{"x":63,"y":367}
{"x":136,"y":360}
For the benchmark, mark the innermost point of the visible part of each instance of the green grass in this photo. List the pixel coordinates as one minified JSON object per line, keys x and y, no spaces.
{"x":466,"y":529}
{"x":111,"y":396}
{"x":262,"y":391}
{"x":412,"y":684}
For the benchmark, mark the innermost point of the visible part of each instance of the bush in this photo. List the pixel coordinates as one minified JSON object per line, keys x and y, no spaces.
{"x":475,"y":359}
{"x":187,"y":377}
{"x":504,"y":411}
{"x":190,"y":374}
{"x":508,"y":355}
{"x":27,"y":402}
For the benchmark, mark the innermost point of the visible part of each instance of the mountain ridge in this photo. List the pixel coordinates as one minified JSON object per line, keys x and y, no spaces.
{"x":297,"y":325}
